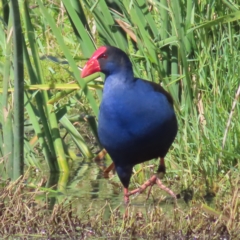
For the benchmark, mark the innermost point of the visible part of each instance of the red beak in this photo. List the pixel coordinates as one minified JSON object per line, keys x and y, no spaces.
{"x":92,"y":64}
{"x":91,"y":67}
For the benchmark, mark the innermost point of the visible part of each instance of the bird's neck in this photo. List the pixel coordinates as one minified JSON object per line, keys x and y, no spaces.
{"x":118,"y":82}
{"x":120,"y":76}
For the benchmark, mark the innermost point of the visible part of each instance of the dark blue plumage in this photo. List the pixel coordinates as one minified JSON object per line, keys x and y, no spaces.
{"x":136,"y":120}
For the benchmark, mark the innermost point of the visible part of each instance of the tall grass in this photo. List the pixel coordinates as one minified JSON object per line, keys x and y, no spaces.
{"x":190,"y":47}
{"x":18,"y":96}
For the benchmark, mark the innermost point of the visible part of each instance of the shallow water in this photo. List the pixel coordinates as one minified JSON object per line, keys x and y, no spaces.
{"x":96,"y":201}
{"x":89,"y":190}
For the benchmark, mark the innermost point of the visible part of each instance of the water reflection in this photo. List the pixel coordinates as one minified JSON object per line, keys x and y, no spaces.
{"x":88,"y":190}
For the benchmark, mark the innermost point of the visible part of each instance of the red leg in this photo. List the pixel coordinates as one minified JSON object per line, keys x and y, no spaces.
{"x":98,"y":159}
{"x":100,"y":155}
{"x":126,"y":195}
{"x":107,"y":170}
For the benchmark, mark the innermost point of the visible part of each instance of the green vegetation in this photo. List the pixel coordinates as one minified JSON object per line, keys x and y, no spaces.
{"x":190,"y":47}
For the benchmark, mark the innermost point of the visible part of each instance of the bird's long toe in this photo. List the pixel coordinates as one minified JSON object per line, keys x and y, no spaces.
{"x":149,"y":183}
{"x":166,"y":189}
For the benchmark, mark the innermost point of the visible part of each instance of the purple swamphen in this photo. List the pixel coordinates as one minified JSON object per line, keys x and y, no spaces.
{"x":136,"y":119}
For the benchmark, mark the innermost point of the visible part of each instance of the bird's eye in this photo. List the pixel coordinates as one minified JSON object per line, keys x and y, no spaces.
{"x":104,"y":56}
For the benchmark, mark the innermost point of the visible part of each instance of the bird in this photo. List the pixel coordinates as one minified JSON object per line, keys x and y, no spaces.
{"x":136,"y":121}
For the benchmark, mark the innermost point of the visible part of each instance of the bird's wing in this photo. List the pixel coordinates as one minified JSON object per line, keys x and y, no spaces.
{"x":159,"y":88}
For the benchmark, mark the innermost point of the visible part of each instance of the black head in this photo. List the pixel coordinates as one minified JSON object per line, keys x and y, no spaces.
{"x":108,"y":60}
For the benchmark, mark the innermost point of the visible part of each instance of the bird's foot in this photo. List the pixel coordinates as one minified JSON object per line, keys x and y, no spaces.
{"x":153,"y":180}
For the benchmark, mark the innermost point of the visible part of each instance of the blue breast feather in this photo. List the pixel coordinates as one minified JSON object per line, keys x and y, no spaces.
{"x":136,"y":123}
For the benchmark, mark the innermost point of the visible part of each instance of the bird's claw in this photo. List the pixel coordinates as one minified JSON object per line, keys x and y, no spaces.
{"x":149,"y":183}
